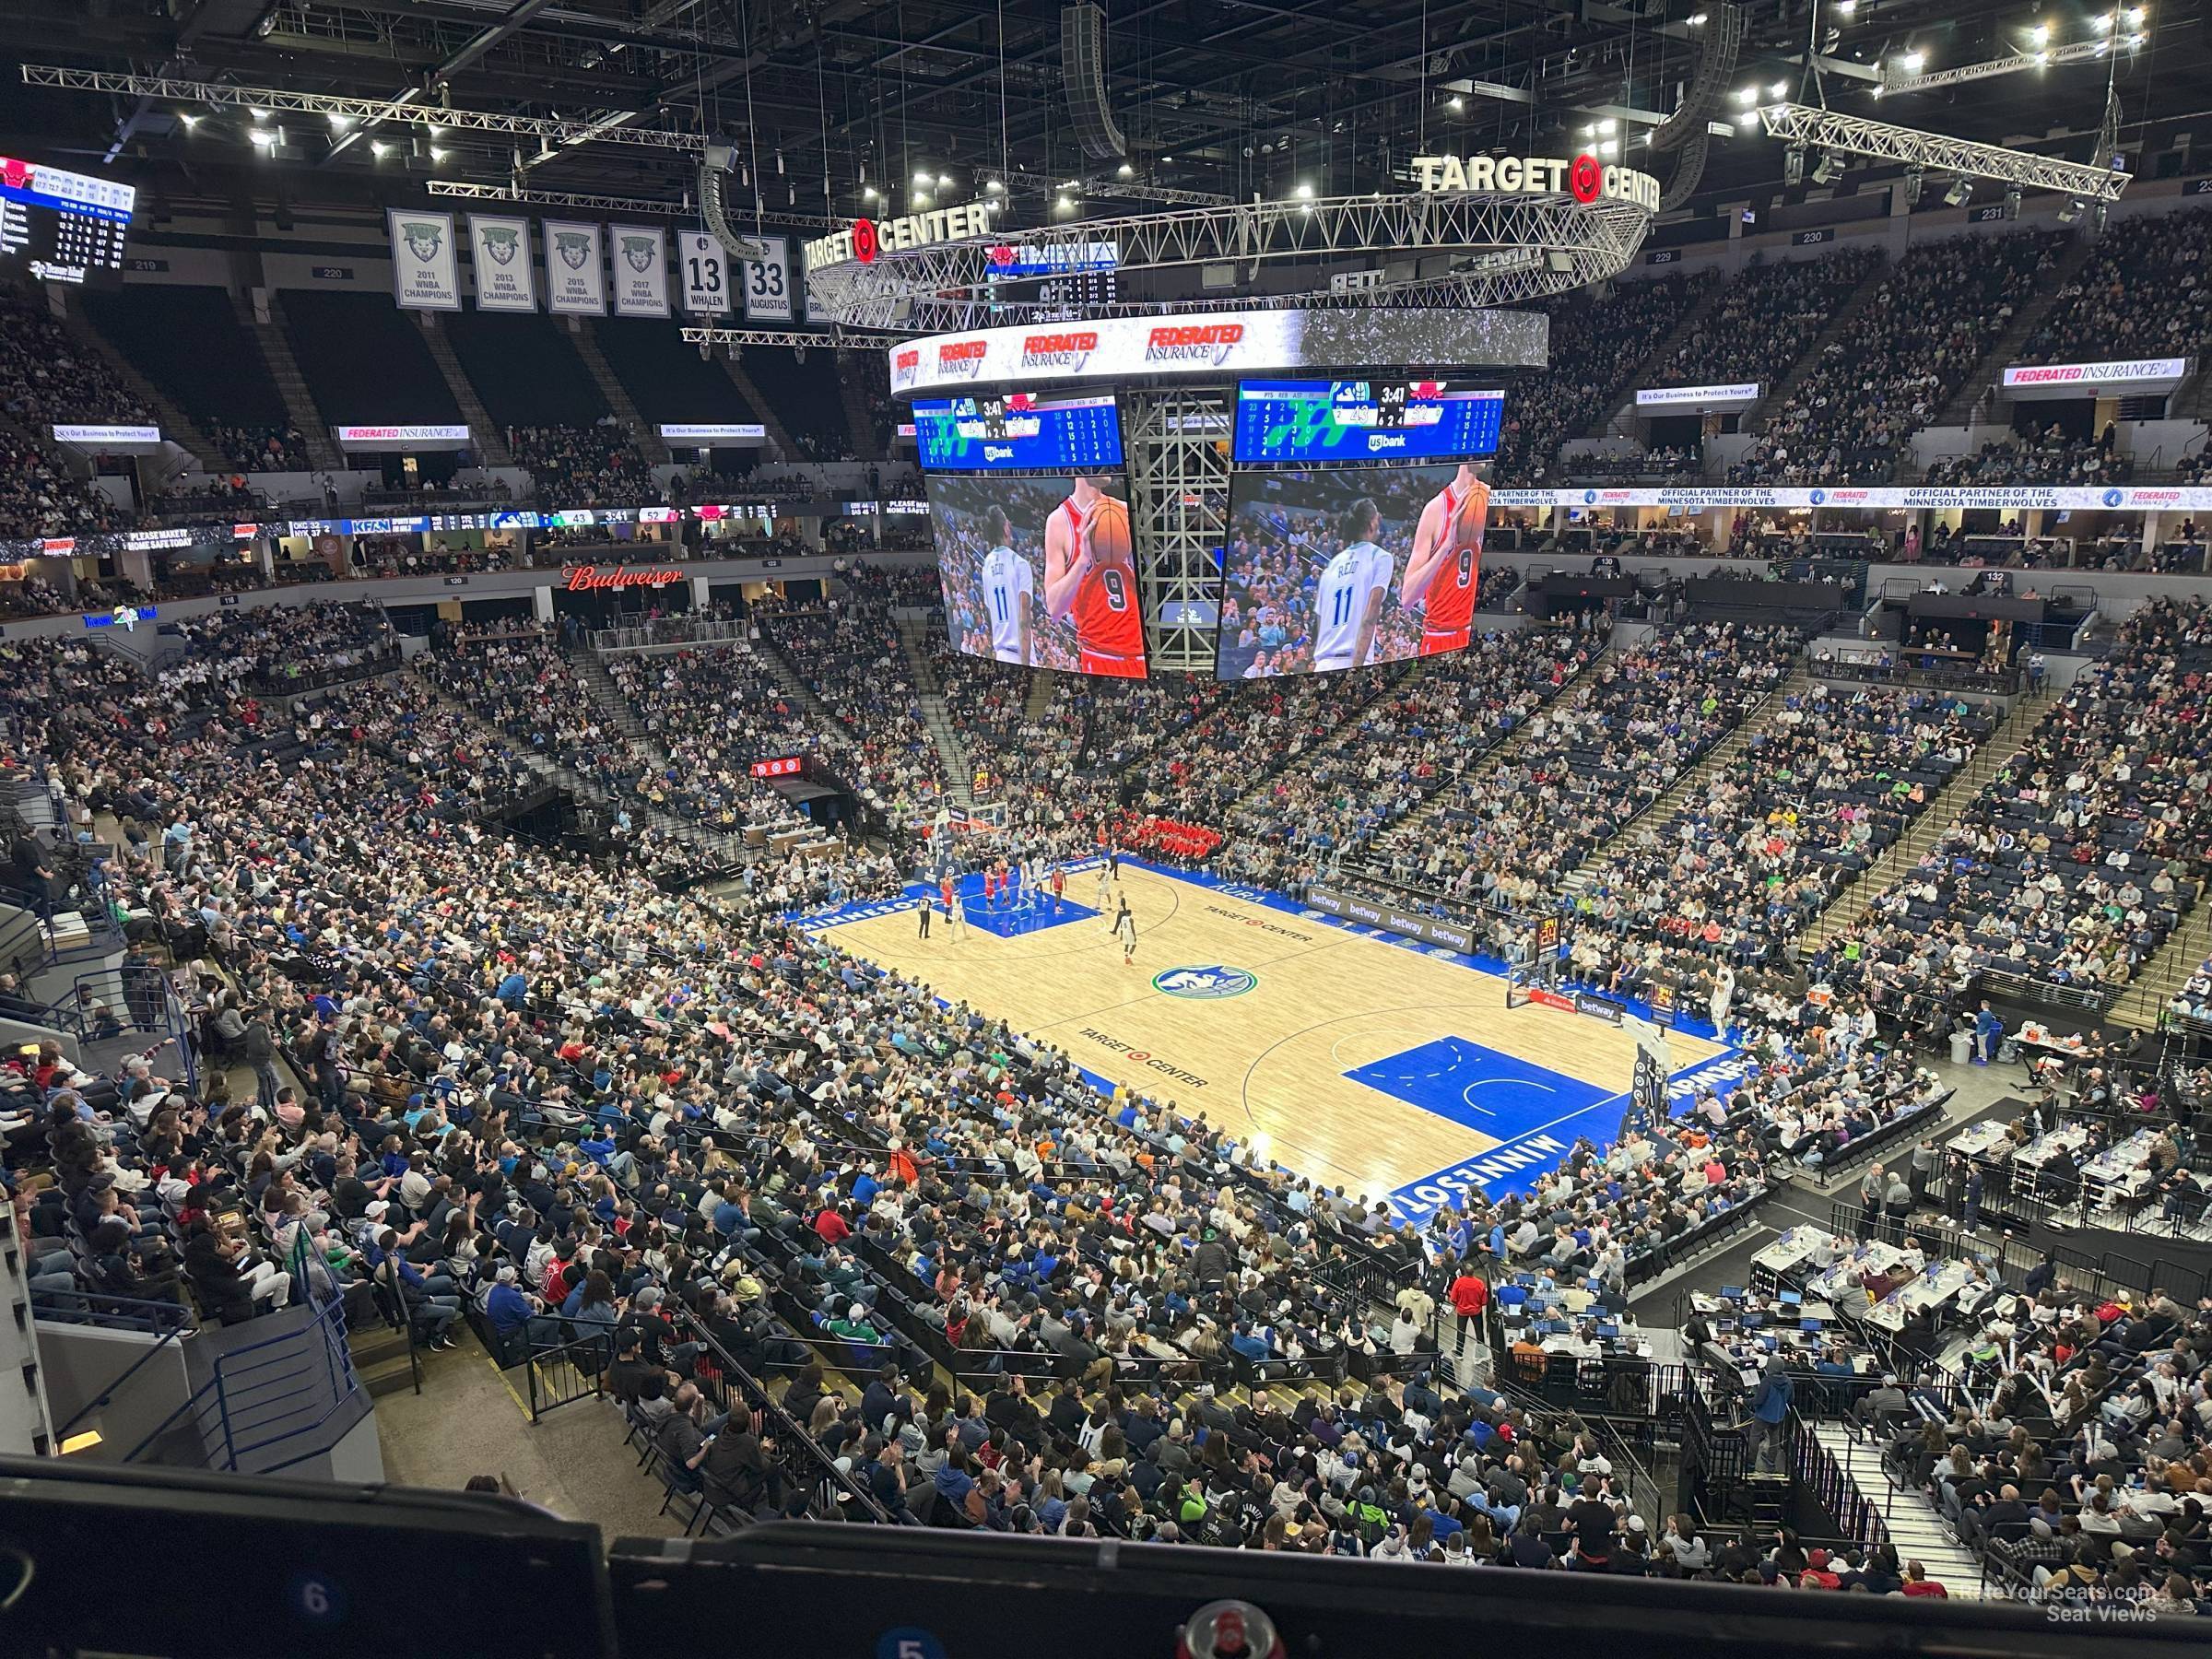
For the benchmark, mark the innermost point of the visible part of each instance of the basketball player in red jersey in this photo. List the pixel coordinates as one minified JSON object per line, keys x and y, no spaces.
{"x":1090,"y":579}
{"x":1445,"y":566}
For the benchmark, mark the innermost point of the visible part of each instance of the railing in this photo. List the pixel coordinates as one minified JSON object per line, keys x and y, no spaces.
{"x":114,"y":1312}
{"x":266,"y":1397}
{"x":669,"y":631}
{"x":1858,"y":1518}
{"x":575,"y":1370}
{"x":114,"y":1001}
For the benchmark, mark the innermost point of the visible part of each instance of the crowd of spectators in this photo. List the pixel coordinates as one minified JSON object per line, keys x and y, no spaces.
{"x":39,"y":496}
{"x":1763,"y":321}
{"x":1596,"y":343}
{"x":584,"y":466}
{"x":262,"y":448}
{"x":1888,"y":373}
{"x":2144,"y":292}
{"x":2051,"y":456}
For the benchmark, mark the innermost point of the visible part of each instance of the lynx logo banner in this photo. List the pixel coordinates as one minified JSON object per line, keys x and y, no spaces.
{"x":575,"y":282}
{"x":425,"y":275}
{"x":499,"y":250}
{"x":641,"y":265}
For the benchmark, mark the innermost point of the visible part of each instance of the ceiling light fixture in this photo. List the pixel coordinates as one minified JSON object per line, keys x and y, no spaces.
{"x":1747,"y":95}
{"x":1781,"y":88}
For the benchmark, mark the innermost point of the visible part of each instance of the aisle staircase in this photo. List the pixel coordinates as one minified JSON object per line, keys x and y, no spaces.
{"x":1694,"y":781}
{"x":2166,"y":971}
{"x":176,"y":426}
{"x":291,"y":385}
{"x":485,"y":434}
{"x":914,"y":639}
{"x":1902,"y":853}
{"x":1958,"y":408}
{"x":1914,"y":1525}
{"x":859,"y":419}
{"x":780,"y":668}
{"x":778,"y":435}
{"x":1778,"y":395}
{"x":1040,"y":699}
{"x":584,"y":336}
{"x":1620,"y":421}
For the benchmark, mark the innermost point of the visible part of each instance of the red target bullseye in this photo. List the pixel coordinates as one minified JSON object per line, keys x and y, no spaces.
{"x":863,"y":241}
{"x":1585,"y":178}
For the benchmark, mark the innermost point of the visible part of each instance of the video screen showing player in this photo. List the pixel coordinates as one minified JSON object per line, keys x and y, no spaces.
{"x":1040,"y":570}
{"x":1335,"y":568}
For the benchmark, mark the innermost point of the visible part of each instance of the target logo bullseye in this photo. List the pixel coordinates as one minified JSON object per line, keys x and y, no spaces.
{"x":1585,"y":178}
{"x":863,"y":241}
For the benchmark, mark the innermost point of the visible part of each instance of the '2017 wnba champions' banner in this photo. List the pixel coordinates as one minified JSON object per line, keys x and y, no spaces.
{"x":425,"y":275}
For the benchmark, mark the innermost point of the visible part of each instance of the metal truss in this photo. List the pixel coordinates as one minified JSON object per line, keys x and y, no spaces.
{"x":276,"y":100}
{"x":1897,"y":79}
{"x":1829,"y":130}
{"x":1174,"y":440}
{"x":1559,"y":244}
{"x":1135,"y":189}
{"x":555,"y":198}
{"x":734,"y":340}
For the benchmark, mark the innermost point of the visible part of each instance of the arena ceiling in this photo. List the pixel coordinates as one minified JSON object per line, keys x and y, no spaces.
{"x":827,"y":100}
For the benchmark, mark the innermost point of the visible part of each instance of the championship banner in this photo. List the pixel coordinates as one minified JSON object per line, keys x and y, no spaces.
{"x":704,"y":264}
{"x":425,"y":275}
{"x":500,"y":252}
{"x":768,"y":283}
{"x":640,"y":266}
{"x":576,"y":283}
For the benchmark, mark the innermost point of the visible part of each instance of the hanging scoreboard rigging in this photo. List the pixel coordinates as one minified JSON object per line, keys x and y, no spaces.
{"x":66,"y":226}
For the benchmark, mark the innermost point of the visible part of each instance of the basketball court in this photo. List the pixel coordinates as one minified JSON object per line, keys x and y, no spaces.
{"x":1375,"y":1063}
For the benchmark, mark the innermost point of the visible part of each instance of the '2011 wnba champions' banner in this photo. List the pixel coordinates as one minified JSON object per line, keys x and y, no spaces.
{"x":500,"y":252}
{"x":425,"y":275}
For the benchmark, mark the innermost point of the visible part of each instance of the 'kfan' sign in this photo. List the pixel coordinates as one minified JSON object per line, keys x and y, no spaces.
{"x":591,"y":579}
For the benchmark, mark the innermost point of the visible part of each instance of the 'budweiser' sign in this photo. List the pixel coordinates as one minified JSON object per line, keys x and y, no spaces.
{"x":584,"y":579}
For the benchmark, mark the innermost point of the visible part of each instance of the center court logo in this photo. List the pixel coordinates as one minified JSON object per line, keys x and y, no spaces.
{"x":1204,"y":983}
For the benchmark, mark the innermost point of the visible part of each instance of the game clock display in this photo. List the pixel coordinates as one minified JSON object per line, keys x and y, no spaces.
{"x":1019,"y":431}
{"x":1366,"y":420}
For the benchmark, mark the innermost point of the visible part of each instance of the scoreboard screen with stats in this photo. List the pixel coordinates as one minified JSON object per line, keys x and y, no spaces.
{"x":65,"y":227}
{"x":1019,"y":431}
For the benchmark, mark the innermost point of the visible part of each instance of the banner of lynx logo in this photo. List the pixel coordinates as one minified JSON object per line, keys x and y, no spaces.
{"x":425,"y":275}
{"x":576,"y":280}
{"x":500,"y":249}
{"x":640,"y":271}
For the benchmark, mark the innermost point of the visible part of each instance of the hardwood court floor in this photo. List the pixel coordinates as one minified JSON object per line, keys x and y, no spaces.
{"x":1457,"y":1073}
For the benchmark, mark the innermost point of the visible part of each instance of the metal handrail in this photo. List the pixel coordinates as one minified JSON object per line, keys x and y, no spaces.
{"x":231,"y":1420}
{"x":179,"y":1324}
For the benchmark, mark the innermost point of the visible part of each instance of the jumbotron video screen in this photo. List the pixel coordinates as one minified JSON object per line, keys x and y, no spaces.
{"x":1040,"y":570}
{"x":1343,"y":567}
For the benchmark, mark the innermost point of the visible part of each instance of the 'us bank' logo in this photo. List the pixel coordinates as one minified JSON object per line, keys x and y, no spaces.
{"x":1205,"y":982}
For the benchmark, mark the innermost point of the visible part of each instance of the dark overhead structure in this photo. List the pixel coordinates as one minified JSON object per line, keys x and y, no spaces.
{"x":1083,"y":67}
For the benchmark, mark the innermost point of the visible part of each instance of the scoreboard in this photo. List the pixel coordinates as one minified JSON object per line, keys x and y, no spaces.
{"x":65,"y":226}
{"x":1019,"y":431}
{"x":1366,"y":420}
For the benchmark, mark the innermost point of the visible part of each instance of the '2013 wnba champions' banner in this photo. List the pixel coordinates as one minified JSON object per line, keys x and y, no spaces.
{"x":499,"y":253}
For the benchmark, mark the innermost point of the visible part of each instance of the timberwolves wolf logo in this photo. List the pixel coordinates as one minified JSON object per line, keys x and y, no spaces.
{"x":424,"y":238}
{"x":502,"y":243}
{"x":1204,"y":983}
{"x":573,"y":246}
{"x":639,"y":251}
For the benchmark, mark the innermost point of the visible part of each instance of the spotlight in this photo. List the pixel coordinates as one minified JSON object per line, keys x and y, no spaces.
{"x":943,"y":181}
{"x":1455,"y":102}
{"x":1560,"y":260}
{"x":1830,"y":169}
{"x":1793,"y":166}
{"x":1125,"y":172}
{"x":2040,"y":34}
{"x":992,"y":184}
{"x":1611,"y":147}
{"x":2012,"y":203}
{"x":339,"y":124}
{"x":921,"y":181}
{"x":1696,"y":19}
{"x":1304,"y":193}
{"x":1843,"y":8}
{"x":1779,"y":89}
{"x":1747,"y":95}
{"x":1914,"y":181}
{"x":2135,"y":14}
{"x":262,"y":137}
{"x":1914,"y":60}
{"x":258,"y":114}
{"x":2103,"y":25}
{"x":868,"y":194}
{"x":437,"y":154}
{"x":1608,"y":126}
{"x":189,"y":119}
{"x":379,"y":148}
{"x":2072,"y":211}
{"x":1956,"y":196}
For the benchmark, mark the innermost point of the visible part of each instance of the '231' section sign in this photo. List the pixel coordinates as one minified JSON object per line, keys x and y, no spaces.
{"x":765,"y":285}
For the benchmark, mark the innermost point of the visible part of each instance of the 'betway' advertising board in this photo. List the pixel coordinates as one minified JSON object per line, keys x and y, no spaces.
{"x":1406,"y":924}
{"x":1220,"y":343}
{"x":2023,"y":497}
{"x":2076,"y":380}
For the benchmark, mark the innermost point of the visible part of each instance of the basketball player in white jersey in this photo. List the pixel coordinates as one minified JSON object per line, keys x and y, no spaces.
{"x":1008,"y":583}
{"x":1124,"y":929}
{"x":1349,"y":601}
